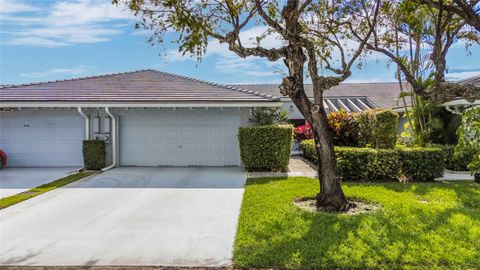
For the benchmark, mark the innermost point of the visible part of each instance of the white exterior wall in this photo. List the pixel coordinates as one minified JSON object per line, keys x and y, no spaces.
{"x":49,"y":137}
{"x":292,"y":110}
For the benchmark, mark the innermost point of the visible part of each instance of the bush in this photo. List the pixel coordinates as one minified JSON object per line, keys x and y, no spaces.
{"x":422,"y":164}
{"x":269,"y":116}
{"x":344,"y":127}
{"x":309,"y":151}
{"x":456,"y":159}
{"x":265,"y":148}
{"x":370,"y":165}
{"x":303,"y":132}
{"x":360,"y":164}
{"x":377,"y":128}
{"x":469,"y":138}
{"x":94,"y":154}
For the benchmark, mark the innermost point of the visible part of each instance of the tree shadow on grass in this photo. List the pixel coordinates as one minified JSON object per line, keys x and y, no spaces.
{"x":412,"y":235}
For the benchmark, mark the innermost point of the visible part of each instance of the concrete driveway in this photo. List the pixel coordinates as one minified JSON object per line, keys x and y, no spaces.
{"x":128,"y":216}
{"x":16,"y":180}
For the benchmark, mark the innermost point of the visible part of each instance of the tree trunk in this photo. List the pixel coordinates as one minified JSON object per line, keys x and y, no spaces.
{"x":331,"y":197}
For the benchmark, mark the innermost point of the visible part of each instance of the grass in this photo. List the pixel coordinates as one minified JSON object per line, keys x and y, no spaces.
{"x":20,"y":197}
{"x":419,"y":226}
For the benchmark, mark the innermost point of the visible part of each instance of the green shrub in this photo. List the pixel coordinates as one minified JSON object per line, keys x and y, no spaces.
{"x":360,"y":164}
{"x":265,"y":148}
{"x":308,"y":149}
{"x":344,"y":126}
{"x":469,"y":138}
{"x":370,"y":165}
{"x":422,"y":164}
{"x":377,"y":128}
{"x":94,"y":154}
{"x":456,"y":159}
{"x":269,"y":116}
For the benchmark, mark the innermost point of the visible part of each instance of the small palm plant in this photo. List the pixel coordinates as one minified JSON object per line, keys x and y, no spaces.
{"x":270,"y":116}
{"x":469,"y":138}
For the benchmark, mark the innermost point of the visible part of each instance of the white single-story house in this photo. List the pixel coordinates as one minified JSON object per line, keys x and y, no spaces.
{"x":153,"y":118}
{"x":147,"y":118}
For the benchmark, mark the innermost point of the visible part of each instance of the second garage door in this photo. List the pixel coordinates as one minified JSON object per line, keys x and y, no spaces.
{"x":179,"y":138}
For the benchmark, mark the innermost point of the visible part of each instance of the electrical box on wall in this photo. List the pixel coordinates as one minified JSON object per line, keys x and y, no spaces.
{"x":96,"y":124}
{"x":102,"y":137}
{"x":106,"y":125}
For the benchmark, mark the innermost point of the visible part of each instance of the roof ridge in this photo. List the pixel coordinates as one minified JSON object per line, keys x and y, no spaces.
{"x":227,"y":86}
{"x":276,"y":84}
{"x":73,"y":79}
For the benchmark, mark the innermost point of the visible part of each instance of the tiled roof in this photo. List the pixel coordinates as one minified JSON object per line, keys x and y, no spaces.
{"x":384,"y":95}
{"x":137,"y":86}
{"x":472,"y":80}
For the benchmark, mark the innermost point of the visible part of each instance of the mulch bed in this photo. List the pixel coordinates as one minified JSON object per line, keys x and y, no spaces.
{"x":358,"y":207}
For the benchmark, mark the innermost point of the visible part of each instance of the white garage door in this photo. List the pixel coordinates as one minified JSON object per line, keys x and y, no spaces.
{"x":179,"y":138}
{"x":42,"y":138}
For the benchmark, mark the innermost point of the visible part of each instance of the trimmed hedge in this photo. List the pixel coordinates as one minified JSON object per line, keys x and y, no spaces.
{"x":421,"y":164}
{"x":94,"y":154}
{"x":373,"y":165}
{"x":377,"y":128}
{"x":366,"y":164}
{"x":265,"y":148}
{"x":456,"y":159}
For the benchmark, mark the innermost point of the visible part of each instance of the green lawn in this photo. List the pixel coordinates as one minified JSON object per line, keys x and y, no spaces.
{"x":20,"y":197}
{"x":420,"y":226}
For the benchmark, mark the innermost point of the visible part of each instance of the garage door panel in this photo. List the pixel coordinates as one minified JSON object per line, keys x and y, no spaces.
{"x":179,"y":138}
{"x":44,"y":138}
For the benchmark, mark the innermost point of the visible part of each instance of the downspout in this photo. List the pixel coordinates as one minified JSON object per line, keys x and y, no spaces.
{"x":87,"y":123}
{"x":114,"y":140}
{"x":87,"y":128}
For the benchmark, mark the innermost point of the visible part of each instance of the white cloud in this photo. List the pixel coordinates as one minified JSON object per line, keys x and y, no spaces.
{"x":57,"y":72}
{"x":455,"y":76}
{"x":36,"y":41}
{"x":64,"y":23}
{"x":11,"y":6}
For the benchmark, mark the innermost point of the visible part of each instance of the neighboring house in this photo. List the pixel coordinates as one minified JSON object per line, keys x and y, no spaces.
{"x":147,"y":118}
{"x":351,"y":97}
{"x":458,"y":105}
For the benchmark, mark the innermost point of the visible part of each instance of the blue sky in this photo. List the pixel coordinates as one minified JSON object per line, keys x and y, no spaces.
{"x":60,"y":39}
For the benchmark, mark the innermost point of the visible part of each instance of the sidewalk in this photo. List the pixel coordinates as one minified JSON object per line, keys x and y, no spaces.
{"x":296,"y":167}
{"x":455,"y":176}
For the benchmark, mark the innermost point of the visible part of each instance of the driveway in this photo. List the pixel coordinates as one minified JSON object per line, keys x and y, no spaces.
{"x":16,"y":180}
{"x":128,"y":216}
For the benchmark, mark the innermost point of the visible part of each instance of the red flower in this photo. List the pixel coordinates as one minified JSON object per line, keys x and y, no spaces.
{"x":303,"y":132}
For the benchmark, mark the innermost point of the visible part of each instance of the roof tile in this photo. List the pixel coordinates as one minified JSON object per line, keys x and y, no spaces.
{"x":137,"y":86}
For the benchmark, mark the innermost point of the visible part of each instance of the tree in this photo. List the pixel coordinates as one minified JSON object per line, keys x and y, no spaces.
{"x":467,"y":10}
{"x":316,"y":40}
{"x":417,"y":39}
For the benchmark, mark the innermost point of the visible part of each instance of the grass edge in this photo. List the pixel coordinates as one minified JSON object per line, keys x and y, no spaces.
{"x":39,"y":190}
